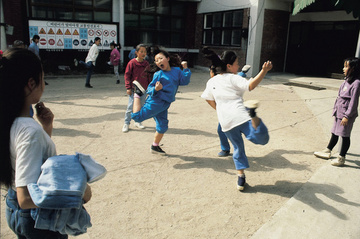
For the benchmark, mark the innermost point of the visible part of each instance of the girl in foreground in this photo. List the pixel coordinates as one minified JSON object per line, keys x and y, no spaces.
{"x":25,"y":143}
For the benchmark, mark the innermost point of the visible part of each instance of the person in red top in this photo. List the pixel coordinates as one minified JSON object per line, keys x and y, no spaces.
{"x":115,"y":60}
{"x":136,"y":69}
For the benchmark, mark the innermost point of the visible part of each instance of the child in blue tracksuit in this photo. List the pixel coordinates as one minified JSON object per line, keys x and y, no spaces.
{"x":161,"y":91}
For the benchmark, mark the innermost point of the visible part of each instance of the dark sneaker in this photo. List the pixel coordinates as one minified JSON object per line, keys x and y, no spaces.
{"x":88,"y":86}
{"x":139,"y":90}
{"x":118,"y":82}
{"x":223,"y":153}
{"x":157,"y":150}
{"x":241,"y":183}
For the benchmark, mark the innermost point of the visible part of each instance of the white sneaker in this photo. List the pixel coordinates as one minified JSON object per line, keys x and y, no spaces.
{"x":139,"y":125}
{"x":76,"y":62}
{"x":339,"y":161}
{"x":125,"y":128}
{"x":324,"y":154}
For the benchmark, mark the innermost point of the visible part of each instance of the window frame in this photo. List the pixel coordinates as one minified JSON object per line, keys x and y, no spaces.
{"x":227,"y":26}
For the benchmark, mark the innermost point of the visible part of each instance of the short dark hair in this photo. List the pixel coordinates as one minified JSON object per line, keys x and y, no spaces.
{"x":97,"y":38}
{"x":36,"y":37}
{"x":18,"y":43}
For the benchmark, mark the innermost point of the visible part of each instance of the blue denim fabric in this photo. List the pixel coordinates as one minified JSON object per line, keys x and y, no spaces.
{"x":157,"y":109}
{"x":21,"y":222}
{"x":61,"y":185}
{"x":88,"y":65}
{"x":224,"y":143}
{"x":129,"y":108}
{"x":258,"y":136}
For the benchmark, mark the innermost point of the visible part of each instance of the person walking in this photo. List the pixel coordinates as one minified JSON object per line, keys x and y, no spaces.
{"x":115,"y":60}
{"x":345,"y":112}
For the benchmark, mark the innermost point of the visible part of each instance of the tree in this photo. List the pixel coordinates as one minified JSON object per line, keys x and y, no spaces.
{"x":347,"y":5}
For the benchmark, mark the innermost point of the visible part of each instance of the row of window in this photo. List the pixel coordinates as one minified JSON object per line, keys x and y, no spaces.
{"x":151,"y":22}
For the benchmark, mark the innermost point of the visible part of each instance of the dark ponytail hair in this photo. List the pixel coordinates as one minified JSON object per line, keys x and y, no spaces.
{"x":354,"y":72}
{"x":219,"y":63}
{"x":16,"y":68}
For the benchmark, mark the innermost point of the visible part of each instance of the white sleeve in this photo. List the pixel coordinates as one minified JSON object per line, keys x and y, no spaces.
{"x":240,"y":82}
{"x":207,"y":94}
{"x":29,"y":157}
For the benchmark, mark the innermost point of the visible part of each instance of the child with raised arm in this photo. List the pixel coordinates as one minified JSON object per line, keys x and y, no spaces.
{"x":161,"y":93}
{"x":224,"y":92}
{"x":345,"y":112}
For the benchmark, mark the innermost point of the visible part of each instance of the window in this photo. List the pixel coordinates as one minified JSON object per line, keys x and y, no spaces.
{"x":223,"y":28}
{"x":83,"y":10}
{"x":159,"y":22}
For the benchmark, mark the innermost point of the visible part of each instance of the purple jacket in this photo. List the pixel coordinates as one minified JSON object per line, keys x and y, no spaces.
{"x":347,"y":102}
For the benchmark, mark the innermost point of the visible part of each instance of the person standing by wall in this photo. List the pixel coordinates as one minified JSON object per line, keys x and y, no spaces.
{"x":115,"y":60}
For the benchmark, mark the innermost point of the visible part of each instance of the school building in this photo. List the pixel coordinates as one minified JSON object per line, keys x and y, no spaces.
{"x":313,"y":42}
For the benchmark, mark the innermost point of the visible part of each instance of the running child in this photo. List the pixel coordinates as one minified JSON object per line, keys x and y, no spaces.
{"x":224,"y":92}
{"x":161,"y":93}
{"x":345,"y":112}
{"x":136,"y":70}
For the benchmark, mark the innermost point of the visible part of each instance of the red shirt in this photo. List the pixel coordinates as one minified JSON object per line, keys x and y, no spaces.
{"x":137,"y":71}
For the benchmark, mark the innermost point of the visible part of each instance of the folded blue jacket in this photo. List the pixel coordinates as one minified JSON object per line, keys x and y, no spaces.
{"x":59,"y":191}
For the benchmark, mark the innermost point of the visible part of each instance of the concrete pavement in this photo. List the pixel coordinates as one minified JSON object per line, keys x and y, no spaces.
{"x":328,"y":205}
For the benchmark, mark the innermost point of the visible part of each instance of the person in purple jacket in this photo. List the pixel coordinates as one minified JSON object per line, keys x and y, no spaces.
{"x":345,"y":112}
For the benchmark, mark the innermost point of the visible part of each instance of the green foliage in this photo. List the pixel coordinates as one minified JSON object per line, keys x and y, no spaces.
{"x":350,"y":6}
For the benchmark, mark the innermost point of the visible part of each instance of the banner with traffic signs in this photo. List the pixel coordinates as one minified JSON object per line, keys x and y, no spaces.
{"x":57,"y":35}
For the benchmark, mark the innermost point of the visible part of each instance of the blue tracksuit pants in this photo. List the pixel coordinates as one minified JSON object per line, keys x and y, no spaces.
{"x":258,"y":136}
{"x":157,"y":109}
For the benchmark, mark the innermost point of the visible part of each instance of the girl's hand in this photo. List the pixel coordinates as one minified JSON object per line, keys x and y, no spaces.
{"x":158,"y":86}
{"x":184,"y":64}
{"x":44,"y":114}
{"x":129,"y":92}
{"x":344,"y":121}
{"x":88,"y":194}
{"x":267,"y":66}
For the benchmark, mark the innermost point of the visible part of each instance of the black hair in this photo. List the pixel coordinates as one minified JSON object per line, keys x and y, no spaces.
{"x":219,"y":63}
{"x":97,"y":38}
{"x":137,"y":48}
{"x":113,"y":44}
{"x":35,"y":37}
{"x":12,"y":98}
{"x":354,"y":71}
{"x":175,"y":60}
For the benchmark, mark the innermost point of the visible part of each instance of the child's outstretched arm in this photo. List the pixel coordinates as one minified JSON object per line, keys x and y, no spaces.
{"x":258,"y":78}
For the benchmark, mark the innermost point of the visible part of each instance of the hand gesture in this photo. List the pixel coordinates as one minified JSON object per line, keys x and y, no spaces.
{"x":158,"y":86}
{"x":267,"y":66}
{"x":44,"y":114}
{"x":184,"y":64}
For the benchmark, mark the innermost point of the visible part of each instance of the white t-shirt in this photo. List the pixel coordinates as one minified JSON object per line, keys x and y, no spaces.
{"x":30,"y":146}
{"x":227,"y":91}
